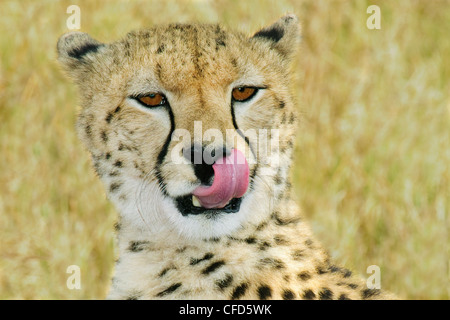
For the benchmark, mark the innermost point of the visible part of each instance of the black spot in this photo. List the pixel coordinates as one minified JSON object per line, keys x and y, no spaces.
{"x":352,"y":285}
{"x":109,"y":117}
{"x":195,"y":261}
{"x":297,"y":254}
{"x":291,"y":118}
{"x":277,"y":179}
{"x":281,"y":105}
{"x":325,"y":294}
{"x":346,"y":273}
{"x":274,"y":34}
{"x":309,"y":243}
{"x":88,"y":130}
{"x":284,"y":222}
{"x":288,"y":295}
{"x":181,"y":250}
{"x":133,"y":296}
{"x":136,"y":246}
{"x":280,"y":240}
{"x":108,"y":156}
{"x":169,"y":290}
{"x":309,"y":295}
{"x":264,"y":245}
{"x":322,"y":270}
{"x":261,"y":226}
{"x":304,"y":276}
{"x":117,"y":226}
{"x":224,"y":283}
{"x":290,"y":143}
{"x":368,"y":293}
{"x":114,"y":173}
{"x":274,"y":263}
{"x":118,"y":164}
{"x":213,"y":266}
{"x":80,"y":52}
{"x":122,"y":197}
{"x":239,"y":291}
{"x":343,"y":297}
{"x":161,"y":49}
{"x":117,"y":110}
{"x":104,"y":136}
{"x":115,"y":186}
{"x":220,"y":42}
{"x":335,"y":269}
{"x":164,"y":271}
{"x":264,"y":292}
{"x":250,"y":240}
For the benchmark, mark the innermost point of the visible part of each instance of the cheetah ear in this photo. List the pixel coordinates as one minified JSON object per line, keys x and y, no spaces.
{"x":283,"y":35}
{"x":75,"y":48}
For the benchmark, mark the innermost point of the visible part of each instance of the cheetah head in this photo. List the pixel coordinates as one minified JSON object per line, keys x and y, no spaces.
{"x":190,"y":127}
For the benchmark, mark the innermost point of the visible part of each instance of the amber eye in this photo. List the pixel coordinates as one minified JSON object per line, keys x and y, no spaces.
{"x":153,"y":100}
{"x":243,"y":93}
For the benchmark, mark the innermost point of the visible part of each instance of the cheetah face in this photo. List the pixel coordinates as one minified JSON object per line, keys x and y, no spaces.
{"x":187,"y":124}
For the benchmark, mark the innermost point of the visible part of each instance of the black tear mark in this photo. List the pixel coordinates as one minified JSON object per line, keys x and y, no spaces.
{"x":274,"y":34}
{"x":163,"y":152}
{"x":79,"y":52}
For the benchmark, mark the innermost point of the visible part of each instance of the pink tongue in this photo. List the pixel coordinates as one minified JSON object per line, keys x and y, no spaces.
{"x":231,"y":176}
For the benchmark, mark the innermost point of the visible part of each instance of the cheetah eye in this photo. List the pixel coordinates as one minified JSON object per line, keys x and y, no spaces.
{"x":242,"y":94}
{"x":152,"y":100}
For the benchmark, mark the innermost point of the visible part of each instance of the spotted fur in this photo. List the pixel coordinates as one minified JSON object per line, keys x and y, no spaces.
{"x":263,"y":251}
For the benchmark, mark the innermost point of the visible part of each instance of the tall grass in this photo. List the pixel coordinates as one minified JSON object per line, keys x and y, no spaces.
{"x":372,"y":161}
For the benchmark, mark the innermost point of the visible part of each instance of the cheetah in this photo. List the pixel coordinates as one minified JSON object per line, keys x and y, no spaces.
{"x":191,"y":129}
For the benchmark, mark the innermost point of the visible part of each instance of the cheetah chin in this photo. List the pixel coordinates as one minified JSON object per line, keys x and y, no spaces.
{"x":191,"y":129}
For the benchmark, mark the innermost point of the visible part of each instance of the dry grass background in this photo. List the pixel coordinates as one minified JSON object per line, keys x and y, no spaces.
{"x":372,"y":160}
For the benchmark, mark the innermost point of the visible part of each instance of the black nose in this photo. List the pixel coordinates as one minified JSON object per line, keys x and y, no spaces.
{"x":203,"y":158}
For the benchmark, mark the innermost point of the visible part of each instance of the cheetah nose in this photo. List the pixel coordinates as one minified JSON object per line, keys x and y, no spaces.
{"x":231,"y":178}
{"x":203,"y":160}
